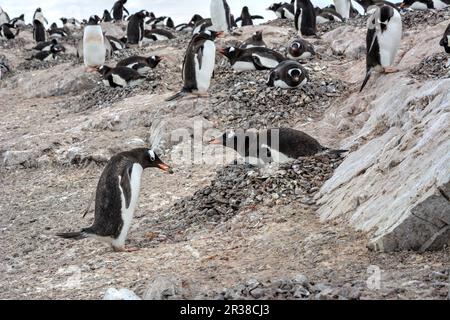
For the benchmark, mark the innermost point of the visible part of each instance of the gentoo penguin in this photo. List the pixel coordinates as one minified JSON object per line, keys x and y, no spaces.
{"x":283,"y":10}
{"x":326,"y":15}
{"x":198,"y":65}
{"x":38,"y":15}
{"x":257,"y":58}
{"x":256,"y":40}
{"x":135,"y":28}
{"x":116,"y":44}
{"x":343,"y":7}
{"x":425,"y":4}
{"x":38,"y":31}
{"x":94,"y":50}
{"x":157,"y":35}
{"x":277,"y":145}
{"x":287,"y":75}
{"x":58,"y":33}
{"x":6,"y":33}
{"x":300,"y":49}
{"x":384,"y":32}
{"x":4,"y":18}
{"x":233,"y":22}
{"x":118,"y":10}
{"x":45,"y":46}
{"x":70,"y":23}
{"x":140,"y":64}
{"x":305,"y":18}
{"x":4,"y":68}
{"x":19,"y":21}
{"x":117,"y":197}
{"x":189,"y":27}
{"x":169,"y":23}
{"x":445,"y":41}
{"x":120,"y":77}
{"x":106,"y":16}
{"x":220,"y":15}
{"x":50,"y":55}
{"x":246,"y":17}
{"x":202,"y":26}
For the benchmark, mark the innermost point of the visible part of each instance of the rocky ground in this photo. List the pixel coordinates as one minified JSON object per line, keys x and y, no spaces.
{"x":215,"y":230}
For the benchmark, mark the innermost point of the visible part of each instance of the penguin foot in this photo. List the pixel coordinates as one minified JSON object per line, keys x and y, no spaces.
{"x":390,"y":70}
{"x":91,"y":69}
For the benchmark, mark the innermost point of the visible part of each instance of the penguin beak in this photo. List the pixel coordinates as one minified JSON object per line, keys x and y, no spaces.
{"x":164,"y":167}
{"x":215,"y":141}
{"x":221,"y":50}
{"x":220,"y":34}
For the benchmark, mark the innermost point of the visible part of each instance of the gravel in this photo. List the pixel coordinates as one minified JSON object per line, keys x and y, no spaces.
{"x":432,"y":67}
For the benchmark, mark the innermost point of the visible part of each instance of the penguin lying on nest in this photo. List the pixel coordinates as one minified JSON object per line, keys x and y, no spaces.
{"x":117,"y":197}
{"x":140,"y":64}
{"x":256,"y":58}
{"x":120,"y":77}
{"x":278,"y":145}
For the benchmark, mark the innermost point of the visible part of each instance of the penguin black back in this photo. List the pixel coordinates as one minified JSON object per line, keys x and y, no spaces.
{"x":305,"y":18}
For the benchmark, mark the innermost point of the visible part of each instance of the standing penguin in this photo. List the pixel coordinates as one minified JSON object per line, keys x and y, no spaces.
{"x":38,"y":15}
{"x":198,"y":64}
{"x":287,"y":75}
{"x":135,"y":28}
{"x":106,"y":16}
{"x":4,"y":18}
{"x":19,"y":21}
{"x":118,"y":10}
{"x":220,"y":15}
{"x":246,"y":17}
{"x":343,"y":7}
{"x":305,"y":18}
{"x":384,"y":32}
{"x":94,"y":50}
{"x":117,"y":197}
{"x":38,"y":31}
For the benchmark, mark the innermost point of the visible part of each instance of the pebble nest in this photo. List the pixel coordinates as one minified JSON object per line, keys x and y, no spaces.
{"x":416,"y":18}
{"x":36,"y":64}
{"x":244,"y":100}
{"x":432,"y":67}
{"x":239,"y":186}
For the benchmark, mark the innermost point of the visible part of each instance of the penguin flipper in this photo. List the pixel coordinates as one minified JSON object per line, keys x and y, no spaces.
{"x":125,"y":184}
{"x":297,"y":15}
{"x":177,"y":96}
{"x":200,"y":57}
{"x":257,"y":17}
{"x":337,"y":152}
{"x":237,"y":19}
{"x":72,"y":235}
{"x":366,"y":79}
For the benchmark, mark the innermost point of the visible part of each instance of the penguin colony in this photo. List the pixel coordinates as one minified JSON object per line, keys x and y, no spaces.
{"x":117,"y":193}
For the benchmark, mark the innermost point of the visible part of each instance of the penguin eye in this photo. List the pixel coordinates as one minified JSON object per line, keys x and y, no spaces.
{"x":151,"y":154}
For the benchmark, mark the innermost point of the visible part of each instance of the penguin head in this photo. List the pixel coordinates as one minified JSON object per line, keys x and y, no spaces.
{"x":230,"y":52}
{"x":274,"y":7}
{"x":38,"y":10}
{"x":245,"y":10}
{"x":64,"y":20}
{"x":257,"y":36}
{"x":196,"y":18}
{"x":104,"y":70}
{"x":295,"y":75}
{"x":153,"y":61}
{"x":229,"y":139}
{"x":149,"y":159}
{"x":296,"y":48}
{"x":94,"y":20}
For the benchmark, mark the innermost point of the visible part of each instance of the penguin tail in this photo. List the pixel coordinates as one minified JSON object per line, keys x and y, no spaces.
{"x":72,"y":235}
{"x":177,"y":96}
{"x":366,"y":79}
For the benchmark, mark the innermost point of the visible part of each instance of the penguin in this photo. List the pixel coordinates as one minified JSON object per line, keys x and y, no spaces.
{"x":445,"y":41}
{"x":120,"y":77}
{"x":141,"y":64}
{"x":343,"y":8}
{"x":18,"y":22}
{"x":283,"y":10}
{"x":233,"y":22}
{"x":300,"y":49}
{"x":198,"y":65}
{"x":202,"y":26}
{"x":49,"y":55}
{"x":279,"y":145}
{"x":220,"y":15}
{"x":384,"y":33}
{"x":326,"y":15}
{"x":39,"y":33}
{"x":169,"y":23}
{"x":135,"y":28}
{"x":118,"y":9}
{"x":116,"y":44}
{"x":70,"y":23}
{"x":94,"y":50}
{"x":38,"y":15}
{"x":4,"y":18}
{"x":189,"y":27}
{"x":246,"y":17}
{"x":53,"y":26}
{"x":45,"y":46}
{"x":256,"y":40}
{"x":58,"y":33}
{"x":6,"y":33}
{"x":106,"y":16}
{"x":117,"y":197}
{"x":287,"y":75}
{"x":305,"y":18}
{"x":425,"y":4}
{"x":157,"y":34}
{"x":4,"y":68}
{"x":257,"y":58}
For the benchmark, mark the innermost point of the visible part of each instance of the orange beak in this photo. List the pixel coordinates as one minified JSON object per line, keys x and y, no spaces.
{"x":164,"y":167}
{"x":215,"y":141}
{"x":221,"y":50}
{"x":220,"y":34}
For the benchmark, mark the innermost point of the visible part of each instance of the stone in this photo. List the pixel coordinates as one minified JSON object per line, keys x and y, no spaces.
{"x":15,"y":158}
{"x":163,"y":288}
{"x":122,"y":294}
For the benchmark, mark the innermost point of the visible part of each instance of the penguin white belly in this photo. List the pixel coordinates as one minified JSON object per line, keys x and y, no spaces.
{"x":278,"y":14}
{"x":94,"y":50}
{"x":439,"y":5}
{"x":243,"y":66}
{"x":299,"y":22}
{"x":160,"y":36}
{"x":419,"y":6}
{"x":343,"y":8}
{"x":203,"y":75}
{"x":3,"y":18}
{"x":289,"y":15}
{"x":320,"y":20}
{"x":119,"y":80}
{"x":218,"y":16}
{"x":128,"y":213}
{"x":389,"y":40}
{"x":266,"y":62}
